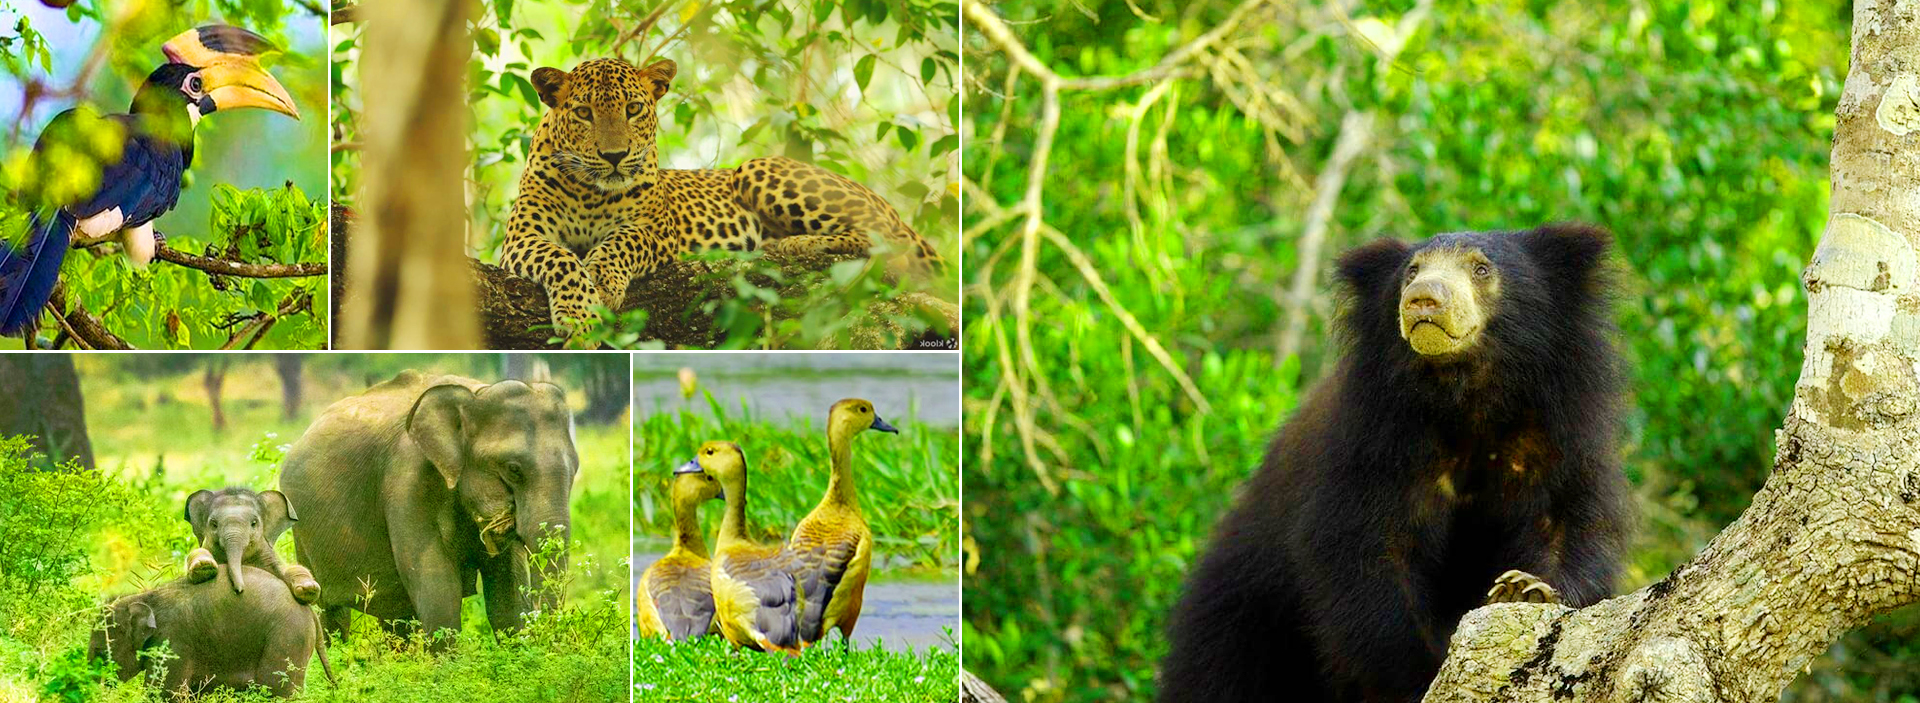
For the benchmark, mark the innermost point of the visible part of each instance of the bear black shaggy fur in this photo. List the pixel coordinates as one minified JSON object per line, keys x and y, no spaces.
{"x":1404,"y":485}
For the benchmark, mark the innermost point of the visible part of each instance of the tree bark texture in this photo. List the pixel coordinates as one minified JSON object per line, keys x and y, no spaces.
{"x":42,"y":398}
{"x":512,"y":308}
{"x":1833,"y":538}
{"x":408,"y":286}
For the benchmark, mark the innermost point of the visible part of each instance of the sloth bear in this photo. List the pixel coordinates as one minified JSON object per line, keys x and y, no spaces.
{"x":1462,"y":451}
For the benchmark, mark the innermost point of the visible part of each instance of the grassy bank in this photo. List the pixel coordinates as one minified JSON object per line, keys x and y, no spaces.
{"x":710,"y":669}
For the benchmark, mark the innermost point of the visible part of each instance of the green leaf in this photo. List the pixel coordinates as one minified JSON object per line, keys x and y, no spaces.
{"x":863,"y":71}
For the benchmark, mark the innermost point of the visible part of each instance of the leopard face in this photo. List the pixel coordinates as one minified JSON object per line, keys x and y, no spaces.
{"x":600,"y":123}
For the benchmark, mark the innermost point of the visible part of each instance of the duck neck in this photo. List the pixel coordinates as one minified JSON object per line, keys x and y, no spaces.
{"x":733,"y":524}
{"x":686,"y":529}
{"x":840,"y":488}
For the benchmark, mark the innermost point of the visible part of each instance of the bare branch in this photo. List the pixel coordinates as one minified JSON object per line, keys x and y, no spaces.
{"x":226,"y":267}
{"x":82,"y":325}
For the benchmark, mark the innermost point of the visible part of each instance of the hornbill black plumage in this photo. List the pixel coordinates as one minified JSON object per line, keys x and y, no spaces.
{"x":216,"y":67}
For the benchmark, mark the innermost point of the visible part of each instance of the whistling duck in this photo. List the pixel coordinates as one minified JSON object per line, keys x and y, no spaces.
{"x":675,"y":596}
{"x":754,"y":596}
{"x":832,"y":546}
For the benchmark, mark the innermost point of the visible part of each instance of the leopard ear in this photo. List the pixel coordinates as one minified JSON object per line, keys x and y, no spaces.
{"x":660,"y":74}
{"x":551,"y":84}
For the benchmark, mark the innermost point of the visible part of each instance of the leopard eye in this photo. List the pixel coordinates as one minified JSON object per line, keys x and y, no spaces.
{"x":584,"y":113}
{"x":633,"y":109}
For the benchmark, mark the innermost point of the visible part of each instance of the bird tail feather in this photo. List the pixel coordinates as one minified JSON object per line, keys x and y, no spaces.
{"x":28,"y":270}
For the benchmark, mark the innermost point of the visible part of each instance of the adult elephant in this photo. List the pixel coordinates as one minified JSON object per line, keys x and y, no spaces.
{"x":420,"y":489}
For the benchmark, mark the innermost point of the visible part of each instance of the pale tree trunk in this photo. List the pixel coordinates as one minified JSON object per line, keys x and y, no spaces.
{"x":1833,"y":539}
{"x":408,"y":285}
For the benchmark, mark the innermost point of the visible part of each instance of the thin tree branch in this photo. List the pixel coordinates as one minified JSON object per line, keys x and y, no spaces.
{"x":227,"y":267}
{"x":82,"y":325}
{"x":1356,"y":129}
{"x":345,"y":15}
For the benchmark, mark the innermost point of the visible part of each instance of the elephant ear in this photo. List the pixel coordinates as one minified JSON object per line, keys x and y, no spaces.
{"x":438,"y":427}
{"x":140,"y":624}
{"x":276,"y":515}
{"x":198,"y":505}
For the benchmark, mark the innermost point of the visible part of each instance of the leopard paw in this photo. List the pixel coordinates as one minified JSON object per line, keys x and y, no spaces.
{"x":1516,"y":586}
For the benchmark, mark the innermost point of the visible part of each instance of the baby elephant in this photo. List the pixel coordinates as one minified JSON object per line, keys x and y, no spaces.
{"x":238,"y":526}
{"x":220,"y":638}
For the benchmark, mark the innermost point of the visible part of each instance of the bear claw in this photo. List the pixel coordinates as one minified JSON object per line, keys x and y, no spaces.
{"x":1517,"y":586}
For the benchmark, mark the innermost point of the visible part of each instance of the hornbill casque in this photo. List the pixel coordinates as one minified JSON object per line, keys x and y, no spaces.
{"x":216,"y":67}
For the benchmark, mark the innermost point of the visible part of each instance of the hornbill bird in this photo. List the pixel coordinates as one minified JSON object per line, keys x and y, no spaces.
{"x":216,"y":67}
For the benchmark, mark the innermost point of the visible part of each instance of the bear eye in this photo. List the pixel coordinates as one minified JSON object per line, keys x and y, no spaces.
{"x":1412,"y":269}
{"x":633,"y":109}
{"x":584,"y":113}
{"x":1482,"y":270}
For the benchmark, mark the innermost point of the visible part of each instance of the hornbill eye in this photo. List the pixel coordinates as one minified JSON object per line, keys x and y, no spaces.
{"x":584,"y":113}
{"x":194,"y":86}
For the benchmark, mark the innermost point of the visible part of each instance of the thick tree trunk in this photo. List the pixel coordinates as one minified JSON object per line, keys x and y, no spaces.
{"x":409,"y":287}
{"x":1833,"y":539}
{"x":213,"y":380}
{"x":606,"y":388}
{"x":289,"y":366}
{"x":42,"y":398}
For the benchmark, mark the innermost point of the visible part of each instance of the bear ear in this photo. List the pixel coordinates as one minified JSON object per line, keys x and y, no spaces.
{"x":1569,"y":251}
{"x":1365,"y":267}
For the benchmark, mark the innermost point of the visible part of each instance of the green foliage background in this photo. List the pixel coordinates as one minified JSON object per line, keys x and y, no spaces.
{"x":78,"y":537}
{"x":246,"y":197}
{"x":867,"y":89}
{"x":1698,"y":134}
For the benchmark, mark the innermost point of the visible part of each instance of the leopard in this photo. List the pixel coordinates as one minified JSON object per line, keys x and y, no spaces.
{"x":595,"y":211}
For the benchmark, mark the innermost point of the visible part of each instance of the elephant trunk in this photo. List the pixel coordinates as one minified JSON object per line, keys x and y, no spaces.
{"x":535,"y":530}
{"x":234,"y":541}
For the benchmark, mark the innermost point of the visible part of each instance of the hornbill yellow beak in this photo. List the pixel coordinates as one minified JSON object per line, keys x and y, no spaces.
{"x":229,"y":61}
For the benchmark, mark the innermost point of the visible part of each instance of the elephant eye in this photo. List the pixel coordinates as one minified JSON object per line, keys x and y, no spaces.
{"x":256,"y":523}
{"x":513,"y":469}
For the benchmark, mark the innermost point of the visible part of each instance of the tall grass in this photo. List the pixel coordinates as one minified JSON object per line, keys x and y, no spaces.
{"x":909,"y":483}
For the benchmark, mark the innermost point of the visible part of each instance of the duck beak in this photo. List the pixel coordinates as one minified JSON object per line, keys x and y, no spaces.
{"x":229,"y":62}
{"x":881,"y":425}
{"x":691,"y":467}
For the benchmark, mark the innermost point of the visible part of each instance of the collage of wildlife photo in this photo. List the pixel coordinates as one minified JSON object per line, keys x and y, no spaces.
{"x":960,"y":351}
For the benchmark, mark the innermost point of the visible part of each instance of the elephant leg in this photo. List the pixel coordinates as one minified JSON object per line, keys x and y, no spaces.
{"x":306,"y":591}
{"x":433,"y":584}
{"x":338,"y":620}
{"x":283,"y":666}
{"x":201,"y":567}
{"x":506,"y":605}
